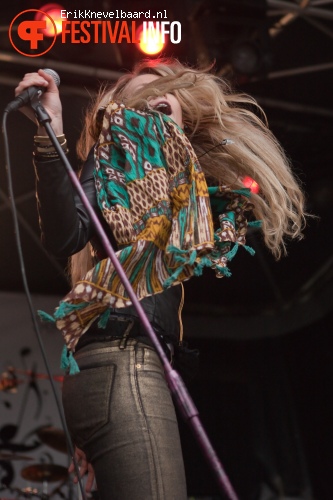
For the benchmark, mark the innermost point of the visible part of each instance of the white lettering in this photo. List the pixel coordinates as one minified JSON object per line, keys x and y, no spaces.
{"x":150,"y":31}
{"x":164,"y":31}
{"x":178,"y":30}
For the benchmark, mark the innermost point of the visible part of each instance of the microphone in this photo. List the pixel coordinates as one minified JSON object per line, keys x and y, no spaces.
{"x":30,"y":93}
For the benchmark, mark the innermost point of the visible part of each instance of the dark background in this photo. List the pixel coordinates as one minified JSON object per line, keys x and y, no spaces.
{"x":264,"y":334}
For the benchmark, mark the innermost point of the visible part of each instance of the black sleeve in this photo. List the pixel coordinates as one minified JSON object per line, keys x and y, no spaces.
{"x":64,"y":221}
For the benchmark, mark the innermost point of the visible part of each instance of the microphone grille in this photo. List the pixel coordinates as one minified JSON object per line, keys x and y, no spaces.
{"x":54,"y":75}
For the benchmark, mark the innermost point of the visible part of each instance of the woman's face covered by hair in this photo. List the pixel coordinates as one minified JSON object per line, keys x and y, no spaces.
{"x":167,"y":104}
{"x":212,"y":112}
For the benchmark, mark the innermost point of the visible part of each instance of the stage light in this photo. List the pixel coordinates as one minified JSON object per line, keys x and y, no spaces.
{"x":53,"y":11}
{"x":152,"y":40}
{"x":251,"y":184}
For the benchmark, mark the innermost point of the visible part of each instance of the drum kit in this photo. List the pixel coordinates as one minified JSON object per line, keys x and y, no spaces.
{"x":43,"y":473}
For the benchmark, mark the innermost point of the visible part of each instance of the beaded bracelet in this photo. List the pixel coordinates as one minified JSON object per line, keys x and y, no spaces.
{"x":43,"y":147}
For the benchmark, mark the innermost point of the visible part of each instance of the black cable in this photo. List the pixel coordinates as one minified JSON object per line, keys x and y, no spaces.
{"x":30,"y":304}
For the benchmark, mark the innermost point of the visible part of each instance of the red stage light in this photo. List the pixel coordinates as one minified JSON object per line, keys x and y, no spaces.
{"x":54,"y":11}
{"x":152,"y":40}
{"x":251,"y":184}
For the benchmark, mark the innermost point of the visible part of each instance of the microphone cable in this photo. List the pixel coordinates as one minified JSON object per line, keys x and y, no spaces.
{"x":30,"y":303}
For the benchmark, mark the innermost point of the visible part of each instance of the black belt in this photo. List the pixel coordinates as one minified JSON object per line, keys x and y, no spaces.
{"x":123,"y":327}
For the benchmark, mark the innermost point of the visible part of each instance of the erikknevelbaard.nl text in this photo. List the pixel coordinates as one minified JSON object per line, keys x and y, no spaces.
{"x":116,"y":14}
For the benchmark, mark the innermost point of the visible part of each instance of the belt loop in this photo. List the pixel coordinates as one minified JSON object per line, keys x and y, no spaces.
{"x":139,"y":354}
{"x":124,"y":338}
{"x":172,"y":353}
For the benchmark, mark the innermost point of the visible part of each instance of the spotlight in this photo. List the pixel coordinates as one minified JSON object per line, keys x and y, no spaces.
{"x":152,"y":40}
{"x":53,"y":11}
{"x":251,"y":184}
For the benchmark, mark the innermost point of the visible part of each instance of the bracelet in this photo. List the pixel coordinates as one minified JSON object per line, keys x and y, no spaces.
{"x":50,"y":147}
{"x":47,"y":156}
{"x":43,"y":147}
{"x":44,"y":139}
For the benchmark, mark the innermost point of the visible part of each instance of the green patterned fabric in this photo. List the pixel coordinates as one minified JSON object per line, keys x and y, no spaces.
{"x":154,"y":197}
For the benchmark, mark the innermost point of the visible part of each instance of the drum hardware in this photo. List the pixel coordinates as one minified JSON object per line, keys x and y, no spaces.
{"x":27,"y":492}
{"x":41,"y":473}
{"x":53,"y":437}
{"x":9,"y":381}
{"x":8,"y":457}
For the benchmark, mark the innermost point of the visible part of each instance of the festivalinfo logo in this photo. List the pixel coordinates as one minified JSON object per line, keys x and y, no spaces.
{"x":86,"y":26}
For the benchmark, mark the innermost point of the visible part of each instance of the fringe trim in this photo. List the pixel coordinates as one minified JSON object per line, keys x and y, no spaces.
{"x":43,"y":316}
{"x":68,"y":363}
{"x":104,"y":318}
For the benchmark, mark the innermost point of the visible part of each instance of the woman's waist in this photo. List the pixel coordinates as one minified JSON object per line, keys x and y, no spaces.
{"x":121,"y":328}
{"x":161,"y":309}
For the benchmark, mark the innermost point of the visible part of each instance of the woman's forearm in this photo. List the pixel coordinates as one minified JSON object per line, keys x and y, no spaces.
{"x":65,"y":224}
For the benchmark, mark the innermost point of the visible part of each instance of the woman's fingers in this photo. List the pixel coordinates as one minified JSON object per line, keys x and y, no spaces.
{"x":50,"y":98}
{"x":52,"y":86}
{"x":29,"y":80}
{"x":84,"y":467}
{"x":90,"y":478}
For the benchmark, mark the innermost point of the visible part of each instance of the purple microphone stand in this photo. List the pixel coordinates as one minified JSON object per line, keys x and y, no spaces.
{"x":175,"y":382}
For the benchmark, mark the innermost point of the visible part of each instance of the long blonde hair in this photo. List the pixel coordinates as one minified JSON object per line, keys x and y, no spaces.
{"x":212,"y":112}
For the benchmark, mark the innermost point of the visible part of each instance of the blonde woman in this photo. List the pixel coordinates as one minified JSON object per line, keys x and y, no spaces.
{"x":165,"y":149}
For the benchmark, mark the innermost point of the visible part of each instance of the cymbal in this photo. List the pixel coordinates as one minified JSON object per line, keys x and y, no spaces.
{"x":14,"y":456}
{"x":44,"y":472}
{"x":53,"y":437}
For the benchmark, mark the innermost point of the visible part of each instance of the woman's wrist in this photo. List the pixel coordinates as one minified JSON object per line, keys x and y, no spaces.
{"x":43,"y":147}
{"x":58,"y":130}
{"x":57,"y":126}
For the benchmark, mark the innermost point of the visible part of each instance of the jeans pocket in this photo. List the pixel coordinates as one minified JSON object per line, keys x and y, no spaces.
{"x":86,"y":400}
